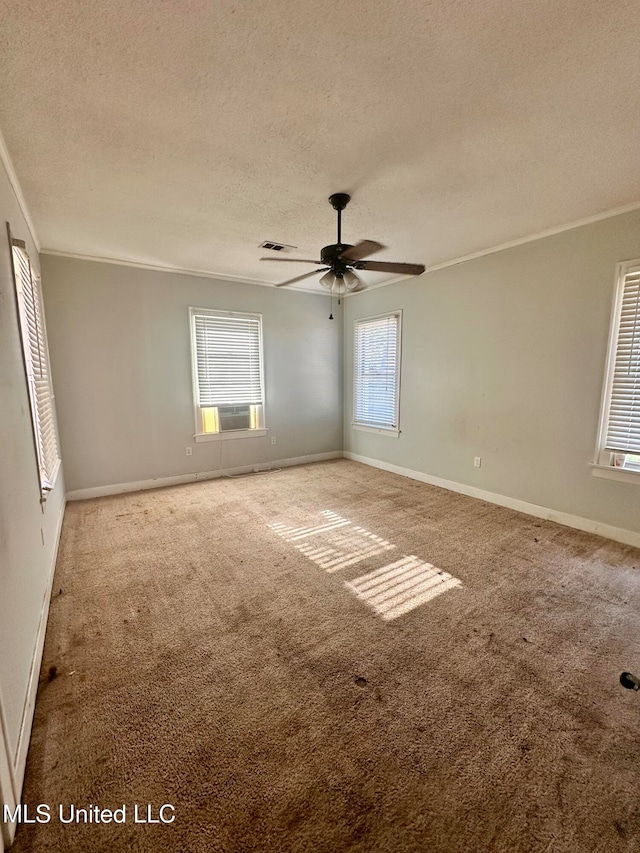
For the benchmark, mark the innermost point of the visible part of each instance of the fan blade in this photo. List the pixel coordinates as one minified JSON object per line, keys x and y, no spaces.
{"x":382,"y":266}
{"x":292,"y":260}
{"x":300,"y":277}
{"x":361,"y":250}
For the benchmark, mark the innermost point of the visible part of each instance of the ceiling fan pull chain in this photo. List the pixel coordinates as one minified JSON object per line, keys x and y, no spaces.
{"x":331,"y":304}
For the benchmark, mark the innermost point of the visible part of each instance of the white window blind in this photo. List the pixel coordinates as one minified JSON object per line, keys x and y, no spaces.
{"x":36,"y":359}
{"x":228,"y":360}
{"x":377,"y":371}
{"x":623,"y":422}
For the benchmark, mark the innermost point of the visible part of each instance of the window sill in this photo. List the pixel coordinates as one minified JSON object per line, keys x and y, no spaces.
{"x":608,"y":472}
{"x":388,"y":431}
{"x":229,"y":435}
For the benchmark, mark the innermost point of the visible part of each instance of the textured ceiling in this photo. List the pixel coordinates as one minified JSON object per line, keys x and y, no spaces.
{"x":183,"y":134}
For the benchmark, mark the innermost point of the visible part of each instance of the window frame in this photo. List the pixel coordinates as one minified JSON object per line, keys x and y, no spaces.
{"x":604,"y":460}
{"x":361,"y":426}
{"x":199,"y":435}
{"x":47,"y":479}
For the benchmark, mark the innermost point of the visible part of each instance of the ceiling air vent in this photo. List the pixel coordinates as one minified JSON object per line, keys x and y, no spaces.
{"x":276,"y":247}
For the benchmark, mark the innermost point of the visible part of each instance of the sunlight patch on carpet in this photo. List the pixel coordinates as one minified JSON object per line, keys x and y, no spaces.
{"x":334,"y":544}
{"x":401,"y":586}
{"x":337,"y":543}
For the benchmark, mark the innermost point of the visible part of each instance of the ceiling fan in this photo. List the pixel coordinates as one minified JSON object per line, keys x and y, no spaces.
{"x":339,"y":260}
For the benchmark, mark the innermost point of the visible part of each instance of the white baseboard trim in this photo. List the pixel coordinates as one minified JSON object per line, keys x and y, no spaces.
{"x":618,"y":534}
{"x":20,"y":758}
{"x":160,"y":482}
{"x":304,"y":460}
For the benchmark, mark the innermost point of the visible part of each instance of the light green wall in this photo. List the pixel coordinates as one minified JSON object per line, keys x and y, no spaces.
{"x":27,"y":530}
{"x":120,"y":352}
{"x":503,"y":358}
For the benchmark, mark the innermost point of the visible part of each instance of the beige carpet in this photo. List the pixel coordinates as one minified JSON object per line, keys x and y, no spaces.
{"x":336,"y":658}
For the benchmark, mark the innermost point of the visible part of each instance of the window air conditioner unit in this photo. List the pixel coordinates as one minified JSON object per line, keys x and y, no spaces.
{"x":234,"y":417}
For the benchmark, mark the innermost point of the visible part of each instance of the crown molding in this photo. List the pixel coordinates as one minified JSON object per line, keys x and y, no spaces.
{"x":228,"y":277}
{"x":222,"y":277}
{"x":540,"y":235}
{"x":5,"y":157}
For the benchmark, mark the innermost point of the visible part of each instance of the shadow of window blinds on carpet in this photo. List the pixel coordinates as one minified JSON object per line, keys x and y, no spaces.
{"x":336,"y":543}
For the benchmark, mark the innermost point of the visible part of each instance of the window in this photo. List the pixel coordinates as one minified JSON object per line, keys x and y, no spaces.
{"x":36,"y":362}
{"x":618,"y":451}
{"x":376,"y":390}
{"x":227,"y":374}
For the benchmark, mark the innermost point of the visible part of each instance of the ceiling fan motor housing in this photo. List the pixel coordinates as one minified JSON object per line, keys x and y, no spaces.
{"x":330,"y":256}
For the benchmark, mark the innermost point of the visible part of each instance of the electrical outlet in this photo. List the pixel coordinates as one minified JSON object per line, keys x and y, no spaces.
{"x":189,"y":451}
{"x":273,"y":439}
{"x":477,"y":461}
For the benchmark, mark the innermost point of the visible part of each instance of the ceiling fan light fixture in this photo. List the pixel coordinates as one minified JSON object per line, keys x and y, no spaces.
{"x":328,"y":280}
{"x":351,"y":280}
